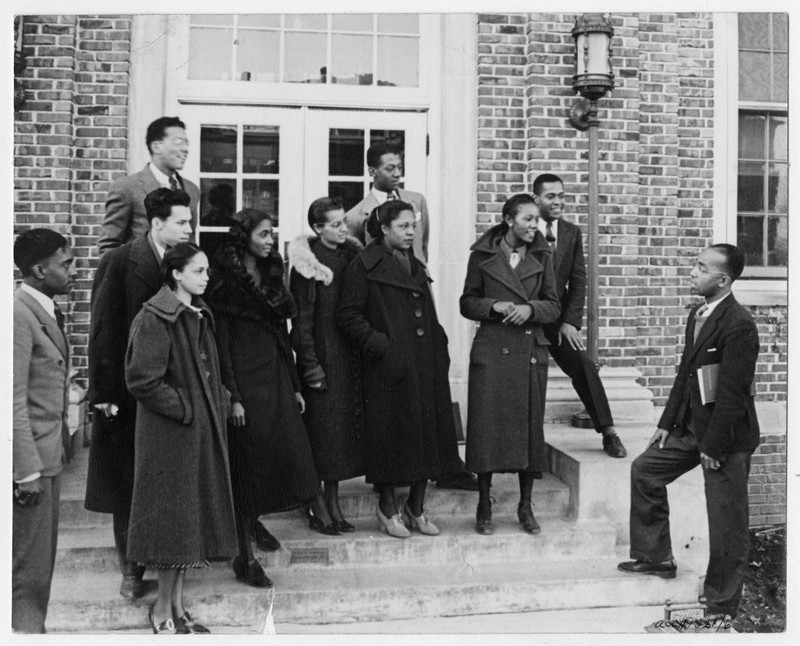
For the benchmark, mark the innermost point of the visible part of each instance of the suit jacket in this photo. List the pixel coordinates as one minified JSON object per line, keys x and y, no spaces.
{"x":126,"y":218}
{"x":570,"y":269}
{"x":729,"y":337}
{"x":357,"y":216}
{"x":41,"y":390}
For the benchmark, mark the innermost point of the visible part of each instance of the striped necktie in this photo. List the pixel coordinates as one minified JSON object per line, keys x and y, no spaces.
{"x":699,"y":320}
{"x":173,"y":183}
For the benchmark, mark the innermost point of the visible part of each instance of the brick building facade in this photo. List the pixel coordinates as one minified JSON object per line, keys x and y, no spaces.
{"x":657,"y":171}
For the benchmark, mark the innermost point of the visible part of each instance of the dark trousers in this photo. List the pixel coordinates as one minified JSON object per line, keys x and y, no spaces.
{"x":34,"y":537}
{"x":726,"y":505}
{"x":577,"y":365}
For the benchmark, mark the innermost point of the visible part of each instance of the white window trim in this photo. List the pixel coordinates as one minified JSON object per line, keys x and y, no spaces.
{"x":298,"y":94}
{"x":751,"y":289}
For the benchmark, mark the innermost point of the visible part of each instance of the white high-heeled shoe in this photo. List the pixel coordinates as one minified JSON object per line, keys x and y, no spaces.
{"x":393,"y":526}
{"x":420,"y":523}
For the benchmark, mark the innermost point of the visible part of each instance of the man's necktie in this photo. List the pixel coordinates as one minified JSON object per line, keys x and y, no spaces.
{"x":173,"y":183}
{"x":514,"y":259}
{"x":391,"y":196}
{"x":551,"y":239}
{"x":59,"y":318}
{"x":699,"y":320}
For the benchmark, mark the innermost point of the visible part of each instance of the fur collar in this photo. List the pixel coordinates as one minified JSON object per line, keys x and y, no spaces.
{"x":305,"y":262}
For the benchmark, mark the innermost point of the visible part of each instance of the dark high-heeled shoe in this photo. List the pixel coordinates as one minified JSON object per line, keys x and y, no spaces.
{"x":166,"y":627}
{"x":344,"y":527}
{"x":264,"y":539}
{"x":331,"y":529}
{"x":251,"y":573}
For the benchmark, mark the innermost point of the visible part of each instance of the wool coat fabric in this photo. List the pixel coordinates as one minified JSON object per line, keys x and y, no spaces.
{"x":508,"y":363}
{"x":390,"y":316}
{"x":125,"y":279}
{"x":272,"y":466}
{"x":182,"y":507}
{"x":334,"y":414}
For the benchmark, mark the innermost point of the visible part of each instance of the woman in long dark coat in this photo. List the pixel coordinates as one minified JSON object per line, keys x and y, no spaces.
{"x":387,"y":311}
{"x":510,"y":289}
{"x":182,"y":506}
{"x":272,"y":467}
{"x":328,"y":364}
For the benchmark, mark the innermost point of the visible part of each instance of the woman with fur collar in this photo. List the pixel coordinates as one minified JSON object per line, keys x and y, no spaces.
{"x":329,"y":367}
{"x":272,"y":467}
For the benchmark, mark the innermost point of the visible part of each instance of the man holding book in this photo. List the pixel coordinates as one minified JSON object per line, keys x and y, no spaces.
{"x":720,"y":435}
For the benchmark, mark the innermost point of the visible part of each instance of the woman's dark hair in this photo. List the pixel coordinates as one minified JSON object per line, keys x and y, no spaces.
{"x":176,"y":258}
{"x":514,"y":204}
{"x":319,"y":209}
{"x":242,"y":226}
{"x":385,"y":214}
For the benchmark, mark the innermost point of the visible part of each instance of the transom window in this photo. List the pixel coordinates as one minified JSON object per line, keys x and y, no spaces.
{"x":342,"y":49}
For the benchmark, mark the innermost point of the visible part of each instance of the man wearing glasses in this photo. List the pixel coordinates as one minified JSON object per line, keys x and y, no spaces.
{"x":126,"y":217}
{"x":708,"y":420}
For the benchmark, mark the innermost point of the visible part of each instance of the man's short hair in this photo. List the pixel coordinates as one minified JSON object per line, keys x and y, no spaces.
{"x":545,"y":178}
{"x":159,"y":203}
{"x":157,"y":130}
{"x":734,"y":259}
{"x":378,"y":150}
{"x":35,"y":245}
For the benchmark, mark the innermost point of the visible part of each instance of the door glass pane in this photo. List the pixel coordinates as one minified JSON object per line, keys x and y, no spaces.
{"x":261,"y":194}
{"x":260,"y":20}
{"x":780,"y":71}
{"x":351,"y":59}
{"x":751,"y":136}
{"x":778,"y":201}
{"x":750,"y":239}
{"x":346,"y":152}
{"x":754,"y":31}
{"x":258,"y":55}
{"x":210,"y":53}
{"x":353,"y":22}
{"x":217,"y":201}
{"x":780,"y":32}
{"x":350,"y":192}
{"x":751,"y":186}
{"x":398,"y":62}
{"x":778,"y":142}
{"x":305,"y":58}
{"x":306,"y":21}
{"x":778,"y":241}
{"x":218,"y":149}
{"x":754,"y":76}
{"x":398,"y":23}
{"x":261,"y":149}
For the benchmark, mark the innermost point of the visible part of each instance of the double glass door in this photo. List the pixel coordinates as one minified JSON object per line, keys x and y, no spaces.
{"x":279,"y":160}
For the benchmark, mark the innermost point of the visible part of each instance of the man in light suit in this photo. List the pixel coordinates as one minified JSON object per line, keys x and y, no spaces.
{"x":386,"y":168}
{"x":721,"y":435}
{"x":41,"y":434}
{"x":126,"y":277}
{"x":566,"y":346}
{"x":126,"y":217}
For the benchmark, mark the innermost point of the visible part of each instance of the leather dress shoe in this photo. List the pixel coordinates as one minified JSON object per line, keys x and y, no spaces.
{"x":185,"y":625}
{"x":251,"y":573}
{"x":264,"y":539}
{"x":462,"y":480}
{"x":421,"y":523}
{"x":344,"y":527}
{"x":612,"y":445}
{"x":664,"y":569}
{"x":393,"y":525}
{"x":525,"y":515}
{"x":483,"y":522}
{"x":132,"y":586}
{"x":166,"y":627}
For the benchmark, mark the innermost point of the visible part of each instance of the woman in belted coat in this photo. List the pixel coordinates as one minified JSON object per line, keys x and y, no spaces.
{"x":387,"y":311}
{"x":510,"y":289}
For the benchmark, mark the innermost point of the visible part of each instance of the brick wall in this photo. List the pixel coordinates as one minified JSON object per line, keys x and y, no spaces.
{"x":767,"y":484}
{"x":70,"y":139}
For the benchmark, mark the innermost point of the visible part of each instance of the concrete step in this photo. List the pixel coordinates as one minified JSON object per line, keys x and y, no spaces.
{"x":319,"y":595}
{"x":358,"y":500}
{"x":91,"y":550}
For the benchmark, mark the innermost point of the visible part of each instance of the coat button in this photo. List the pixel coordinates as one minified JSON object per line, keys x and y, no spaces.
{"x":528,"y":331}
{"x":420,"y":331}
{"x":416,"y":294}
{"x":418,"y":313}
{"x":505,"y":350}
{"x":533,"y":359}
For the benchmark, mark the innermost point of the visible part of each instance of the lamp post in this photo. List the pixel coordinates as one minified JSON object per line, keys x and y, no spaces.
{"x":592,"y":80}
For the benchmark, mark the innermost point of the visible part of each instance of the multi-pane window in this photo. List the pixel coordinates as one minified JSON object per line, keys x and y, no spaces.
{"x":763,"y":176}
{"x":343,"y":49}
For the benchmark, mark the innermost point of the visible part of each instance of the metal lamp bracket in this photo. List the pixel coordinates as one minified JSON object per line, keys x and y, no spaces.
{"x":579,"y":114}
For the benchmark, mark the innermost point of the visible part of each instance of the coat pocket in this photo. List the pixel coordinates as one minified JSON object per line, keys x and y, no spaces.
{"x":394,"y":366}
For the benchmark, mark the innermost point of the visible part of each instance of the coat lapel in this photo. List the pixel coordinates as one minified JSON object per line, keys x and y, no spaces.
{"x":499,"y":269}
{"x":384,"y":269}
{"x":709,"y":327}
{"x":47,"y":322}
{"x":368,"y":203}
{"x":563,"y":243}
{"x":146,"y":264}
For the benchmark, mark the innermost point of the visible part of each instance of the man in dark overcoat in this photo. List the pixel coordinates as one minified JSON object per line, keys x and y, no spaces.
{"x":40,"y":432}
{"x":720,"y":434}
{"x":126,"y":217}
{"x":126,"y":277}
{"x":566,"y":346}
